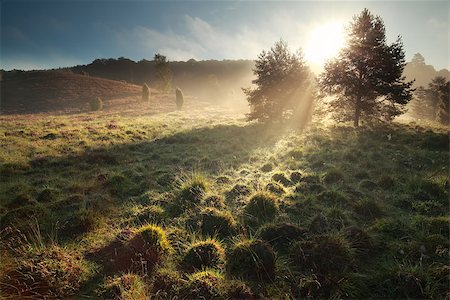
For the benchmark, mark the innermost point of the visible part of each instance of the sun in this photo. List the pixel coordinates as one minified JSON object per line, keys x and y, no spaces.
{"x":324,"y":41}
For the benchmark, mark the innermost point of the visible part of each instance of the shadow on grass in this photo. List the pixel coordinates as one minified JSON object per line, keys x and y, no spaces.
{"x":101,"y":176}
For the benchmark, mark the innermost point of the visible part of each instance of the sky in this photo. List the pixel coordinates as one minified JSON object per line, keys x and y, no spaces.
{"x":49,"y":34}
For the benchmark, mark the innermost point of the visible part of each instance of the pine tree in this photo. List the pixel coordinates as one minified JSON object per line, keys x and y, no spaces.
{"x":280,"y":75}
{"x":163,"y":73}
{"x":366,"y":77}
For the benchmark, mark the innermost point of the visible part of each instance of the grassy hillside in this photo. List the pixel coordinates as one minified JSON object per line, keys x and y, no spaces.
{"x":236,"y":209}
{"x":43,"y":91}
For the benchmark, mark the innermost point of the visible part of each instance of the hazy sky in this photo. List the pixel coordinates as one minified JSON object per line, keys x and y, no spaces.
{"x":45,"y":34}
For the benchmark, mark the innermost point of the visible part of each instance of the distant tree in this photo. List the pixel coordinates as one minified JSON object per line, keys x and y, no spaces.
{"x":179,"y":98}
{"x":280,"y":75}
{"x":418,"y":60}
{"x":432,"y":103}
{"x":163,"y":73}
{"x":145,"y":93}
{"x":366,"y":77}
{"x":443,"y":114}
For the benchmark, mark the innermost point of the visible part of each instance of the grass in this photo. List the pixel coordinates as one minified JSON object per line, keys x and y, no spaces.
{"x":377,"y":207}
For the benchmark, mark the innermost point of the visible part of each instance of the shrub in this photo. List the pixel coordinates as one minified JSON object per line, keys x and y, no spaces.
{"x":404,"y":282}
{"x":324,"y":254}
{"x":424,"y":189}
{"x":280,"y":236}
{"x":337,"y":218}
{"x":192,"y":190}
{"x":386,"y":182}
{"x":359,"y":240}
{"x":275,"y":188}
{"x":296,"y":177}
{"x":119,"y":184}
{"x":166,"y":284}
{"x":262,"y":207}
{"x":126,"y":287}
{"x":236,"y":289}
{"x":392,"y":228}
{"x":368,"y":209}
{"x":150,"y":244}
{"x":251,"y":259}
{"x":145,"y":93}
{"x":238,"y":190}
{"x":205,"y":284}
{"x":80,"y":222}
{"x":213,"y":221}
{"x":332,"y":197}
{"x":281,"y":178}
{"x":333,"y":176}
{"x":147,"y":214}
{"x":96,"y":104}
{"x":266,"y":168}
{"x":215,"y":201}
{"x":22,"y":199}
{"x":434,"y":225}
{"x":179,"y":98}
{"x":47,"y":195}
{"x":203,"y":254}
{"x":50,"y":272}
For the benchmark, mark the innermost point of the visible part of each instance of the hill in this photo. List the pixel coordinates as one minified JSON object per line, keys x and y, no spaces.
{"x":41,"y":91}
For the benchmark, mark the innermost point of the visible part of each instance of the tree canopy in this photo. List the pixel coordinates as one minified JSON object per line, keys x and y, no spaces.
{"x":365,"y":80}
{"x":163,"y":73}
{"x":280,"y":77}
{"x":432,"y":102}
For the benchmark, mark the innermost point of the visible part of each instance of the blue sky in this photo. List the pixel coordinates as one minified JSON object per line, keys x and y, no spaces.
{"x":47,"y":34}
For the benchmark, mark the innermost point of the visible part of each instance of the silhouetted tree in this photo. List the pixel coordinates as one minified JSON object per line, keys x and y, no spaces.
{"x":280,"y":75}
{"x":443,"y":114}
{"x":163,"y":73}
{"x":432,"y":102}
{"x":366,"y":78}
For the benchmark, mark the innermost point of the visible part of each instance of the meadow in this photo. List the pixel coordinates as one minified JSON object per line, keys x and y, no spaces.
{"x":201,"y":204}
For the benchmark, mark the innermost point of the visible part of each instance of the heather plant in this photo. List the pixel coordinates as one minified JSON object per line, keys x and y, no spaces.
{"x":179,"y":98}
{"x":145,"y":93}
{"x":96,"y":104}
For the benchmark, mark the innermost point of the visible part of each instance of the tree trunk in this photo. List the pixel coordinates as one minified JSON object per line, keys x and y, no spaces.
{"x":357,"y":111}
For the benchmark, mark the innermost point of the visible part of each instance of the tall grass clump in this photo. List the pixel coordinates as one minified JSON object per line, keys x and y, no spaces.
{"x":251,"y":259}
{"x":179,"y":98}
{"x":217,"y":222}
{"x":150,"y":244}
{"x":262,"y":207}
{"x":204,"y":254}
{"x":324,"y":254}
{"x":145,"y":93}
{"x":128,"y":286}
{"x":45,"y":272}
{"x":207,"y":284}
{"x":192,"y":190}
{"x":96,"y":104}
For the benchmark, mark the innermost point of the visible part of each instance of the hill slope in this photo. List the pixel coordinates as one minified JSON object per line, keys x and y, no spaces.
{"x":43,"y":91}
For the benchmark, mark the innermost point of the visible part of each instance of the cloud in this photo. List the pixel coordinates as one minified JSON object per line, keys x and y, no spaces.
{"x":202,"y":40}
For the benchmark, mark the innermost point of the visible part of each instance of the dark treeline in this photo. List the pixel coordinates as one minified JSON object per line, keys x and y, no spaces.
{"x":207,"y":79}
